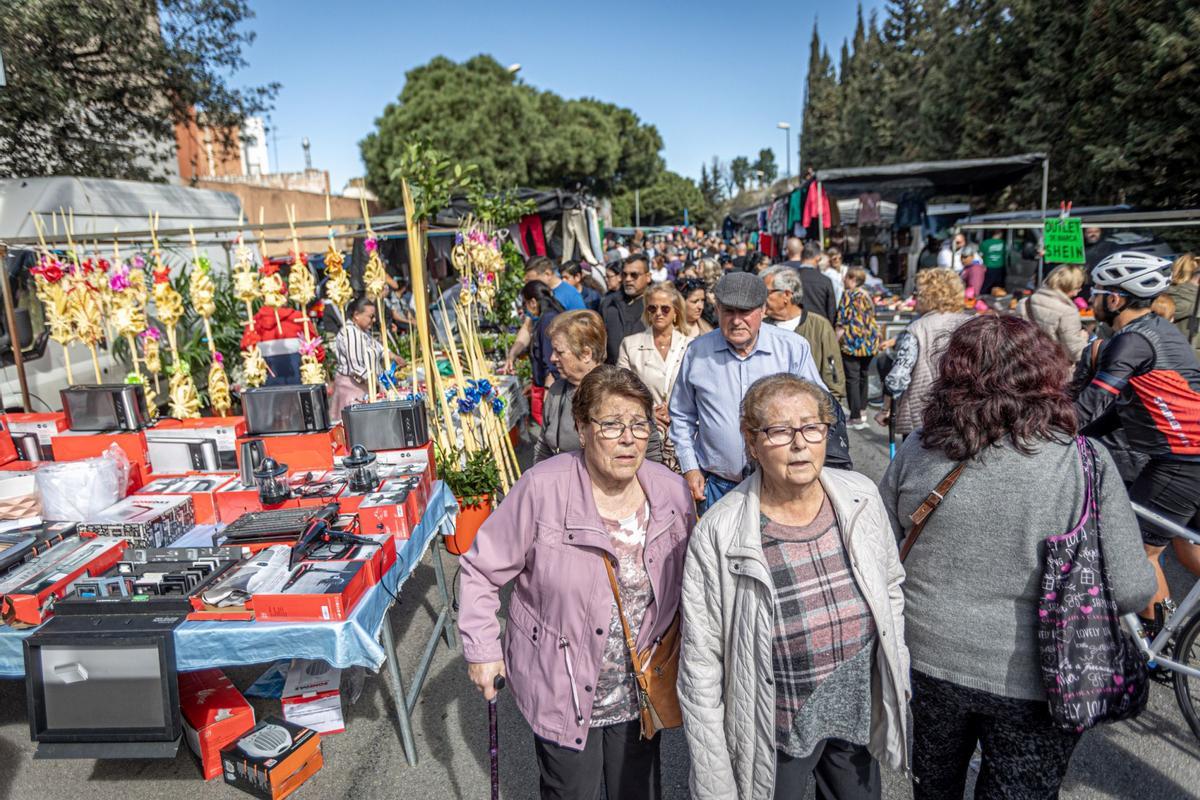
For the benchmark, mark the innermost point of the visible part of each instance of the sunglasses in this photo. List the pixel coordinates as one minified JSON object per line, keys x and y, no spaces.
{"x":659,"y":309}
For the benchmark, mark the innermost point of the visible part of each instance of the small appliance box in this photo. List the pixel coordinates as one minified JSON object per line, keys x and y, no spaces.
{"x":303,"y":451}
{"x":312,"y":697}
{"x":223,"y":431}
{"x":317,"y":591}
{"x":236,"y":498}
{"x":144,"y":520}
{"x":34,"y":582}
{"x":74,"y":445}
{"x":41,"y":426}
{"x":214,"y":716}
{"x":8,"y":448}
{"x":273,"y":759}
{"x":202,"y":488}
{"x":392,"y":510}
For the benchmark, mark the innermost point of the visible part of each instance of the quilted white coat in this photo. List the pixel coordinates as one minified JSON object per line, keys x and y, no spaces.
{"x":726,"y":683}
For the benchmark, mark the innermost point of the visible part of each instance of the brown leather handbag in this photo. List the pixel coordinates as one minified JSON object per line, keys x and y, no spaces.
{"x":656,"y":670}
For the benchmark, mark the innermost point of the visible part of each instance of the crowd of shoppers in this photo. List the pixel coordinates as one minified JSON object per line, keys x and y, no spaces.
{"x":806,"y":621}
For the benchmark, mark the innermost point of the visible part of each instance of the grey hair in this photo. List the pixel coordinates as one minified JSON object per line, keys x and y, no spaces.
{"x":787,"y":279}
{"x":969,"y":250}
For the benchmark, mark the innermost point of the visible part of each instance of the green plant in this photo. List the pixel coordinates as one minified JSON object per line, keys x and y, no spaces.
{"x":500,"y":209}
{"x":503,"y":307}
{"x":432,"y":178}
{"x":472,"y":477}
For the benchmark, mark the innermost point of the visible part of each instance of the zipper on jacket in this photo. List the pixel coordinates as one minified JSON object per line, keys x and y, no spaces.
{"x":565,"y":646}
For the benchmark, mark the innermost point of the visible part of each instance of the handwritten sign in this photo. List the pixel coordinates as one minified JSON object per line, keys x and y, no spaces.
{"x":1063,"y":240}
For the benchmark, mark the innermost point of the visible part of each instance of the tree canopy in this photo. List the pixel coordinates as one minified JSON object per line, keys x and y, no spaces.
{"x":95,"y":88}
{"x":478,"y":112}
{"x":662,"y":202}
{"x":1113,"y":103}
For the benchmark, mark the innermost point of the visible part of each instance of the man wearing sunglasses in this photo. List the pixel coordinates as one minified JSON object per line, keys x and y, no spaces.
{"x":622,"y":311}
{"x":717,"y":370}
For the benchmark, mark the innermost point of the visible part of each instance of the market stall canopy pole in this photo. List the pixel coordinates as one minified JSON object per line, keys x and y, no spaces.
{"x":10,"y":321}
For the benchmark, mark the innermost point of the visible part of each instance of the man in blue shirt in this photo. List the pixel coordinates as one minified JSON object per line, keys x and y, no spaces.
{"x":542,"y":269}
{"x":717,"y":370}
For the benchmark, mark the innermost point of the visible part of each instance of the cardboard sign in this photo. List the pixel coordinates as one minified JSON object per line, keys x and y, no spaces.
{"x":1063,"y":240}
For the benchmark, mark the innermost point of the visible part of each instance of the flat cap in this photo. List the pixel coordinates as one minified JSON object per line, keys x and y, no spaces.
{"x":741,"y":290}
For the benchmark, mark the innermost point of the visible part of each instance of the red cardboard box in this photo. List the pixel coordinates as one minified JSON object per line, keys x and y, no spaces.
{"x":201,"y":487}
{"x":214,"y":716}
{"x":44,"y":426}
{"x":390,"y":512}
{"x":8,"y":449}
{"x":354,"y":577}
{"x":25,"y":604}
{"x":303,"y":451}
{"x":74,"y":445}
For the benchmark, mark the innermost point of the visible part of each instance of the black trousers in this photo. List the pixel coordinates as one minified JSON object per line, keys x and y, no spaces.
{"x":858,"y":369}
{"x":843,"y":771}
{"x":615,"y":757}
{"x":1025,"y":755}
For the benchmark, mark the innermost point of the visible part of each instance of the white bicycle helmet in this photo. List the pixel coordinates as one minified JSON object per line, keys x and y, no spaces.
{"x":1138,"y":274}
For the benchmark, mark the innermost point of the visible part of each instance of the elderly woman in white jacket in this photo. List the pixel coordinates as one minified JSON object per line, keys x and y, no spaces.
{"x":793,"y":663}
{"x":1052,"y":308}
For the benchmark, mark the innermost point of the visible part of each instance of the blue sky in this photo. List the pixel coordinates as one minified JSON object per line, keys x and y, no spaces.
{"x":715,"y":78}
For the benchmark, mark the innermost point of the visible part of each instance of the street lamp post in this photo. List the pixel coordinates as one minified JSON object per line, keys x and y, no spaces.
{"x":787,"y":145}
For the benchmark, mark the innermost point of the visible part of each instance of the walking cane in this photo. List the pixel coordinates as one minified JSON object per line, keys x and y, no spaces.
{"x":891,"y":435}
{"x":494,"y":738}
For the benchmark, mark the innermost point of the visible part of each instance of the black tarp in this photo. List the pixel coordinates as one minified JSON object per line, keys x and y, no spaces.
{"x":972,"y":176}
{"x":548,"y":203}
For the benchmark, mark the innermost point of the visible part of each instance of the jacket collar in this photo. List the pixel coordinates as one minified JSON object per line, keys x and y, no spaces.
{"x":580,"y":511}
{"x":746,"y":542}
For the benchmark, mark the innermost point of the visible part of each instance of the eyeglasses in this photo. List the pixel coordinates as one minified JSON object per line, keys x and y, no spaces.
{"x":633,"y":276}
{"x":779,"y":435}
{"x":659,"y":309}
{"x":614,"y":429}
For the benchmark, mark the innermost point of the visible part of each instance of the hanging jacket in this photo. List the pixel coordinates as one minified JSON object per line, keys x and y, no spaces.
{"x":816,"y":207}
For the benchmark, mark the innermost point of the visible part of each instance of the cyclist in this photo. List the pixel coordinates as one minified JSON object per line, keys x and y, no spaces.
{"x":1147,"y":382}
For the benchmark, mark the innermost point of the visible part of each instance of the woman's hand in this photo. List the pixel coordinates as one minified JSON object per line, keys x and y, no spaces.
{"x":399,"y":359}
{"x":662,"y":414}
{"x":882,"y":418}
{"x":484,"y":676}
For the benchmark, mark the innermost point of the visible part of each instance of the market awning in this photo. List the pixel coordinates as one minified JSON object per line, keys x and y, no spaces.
{"x":972,"y":176}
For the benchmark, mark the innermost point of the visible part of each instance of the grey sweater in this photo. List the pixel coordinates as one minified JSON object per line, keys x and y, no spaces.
{"x":973,"y":576}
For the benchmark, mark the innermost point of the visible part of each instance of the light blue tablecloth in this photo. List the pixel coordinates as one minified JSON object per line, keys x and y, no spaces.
{"x":352,"y":642}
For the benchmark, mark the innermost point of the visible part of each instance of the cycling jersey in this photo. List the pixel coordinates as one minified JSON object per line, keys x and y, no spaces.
{"x":1147,"y":381}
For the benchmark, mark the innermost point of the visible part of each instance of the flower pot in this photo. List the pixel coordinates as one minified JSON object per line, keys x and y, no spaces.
{"x":467,"y":525}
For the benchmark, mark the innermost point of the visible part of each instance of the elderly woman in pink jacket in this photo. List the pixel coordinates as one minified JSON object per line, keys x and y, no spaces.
{"x":564,"y":651}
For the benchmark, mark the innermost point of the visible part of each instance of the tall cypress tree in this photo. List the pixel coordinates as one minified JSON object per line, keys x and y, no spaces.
{"x":821,"y":133}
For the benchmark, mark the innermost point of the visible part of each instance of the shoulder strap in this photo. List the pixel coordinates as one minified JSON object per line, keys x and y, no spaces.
{"x":629,"y":643}
{"x":921,"y":515}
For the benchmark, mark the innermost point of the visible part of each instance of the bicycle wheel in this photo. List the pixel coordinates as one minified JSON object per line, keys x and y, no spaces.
{"x":1187,"y":688}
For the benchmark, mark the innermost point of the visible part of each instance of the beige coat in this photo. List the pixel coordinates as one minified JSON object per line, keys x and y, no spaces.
{"x":726,"y":682}
{"x":639,"y":355}
{"x":1058,"y":316}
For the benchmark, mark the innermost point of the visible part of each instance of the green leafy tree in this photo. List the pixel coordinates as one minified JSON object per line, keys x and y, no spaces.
{"x":96,"y":88}
{"x":740,"y":172}
{"x":766,"y":165}
{"x":477,"y":112}
{"x":663,"y":202}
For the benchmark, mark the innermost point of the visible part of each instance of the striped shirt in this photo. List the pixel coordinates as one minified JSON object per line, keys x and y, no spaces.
{"x":354,"y":349}
{"x":821,"y":618}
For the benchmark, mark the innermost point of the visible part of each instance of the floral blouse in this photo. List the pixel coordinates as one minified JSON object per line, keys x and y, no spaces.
{"x":856,"y":318}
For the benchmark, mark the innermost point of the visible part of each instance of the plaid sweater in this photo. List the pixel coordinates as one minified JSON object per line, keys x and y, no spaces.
{"x":822,"y":622}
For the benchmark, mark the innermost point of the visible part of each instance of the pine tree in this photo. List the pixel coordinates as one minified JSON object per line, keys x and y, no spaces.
{"x":766,"y":165}
{"x":821,"y":132}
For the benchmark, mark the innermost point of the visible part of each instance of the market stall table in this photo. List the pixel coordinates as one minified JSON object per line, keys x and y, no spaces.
{"x":347,"y":643}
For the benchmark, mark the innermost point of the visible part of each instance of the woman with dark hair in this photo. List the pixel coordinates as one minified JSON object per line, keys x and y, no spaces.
{"x":695,"y":300}
{"x":974,"y":576}
{"x":541,"y":306}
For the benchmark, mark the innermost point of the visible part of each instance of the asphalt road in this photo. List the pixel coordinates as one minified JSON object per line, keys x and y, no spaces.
{"x":1154,"y":757}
